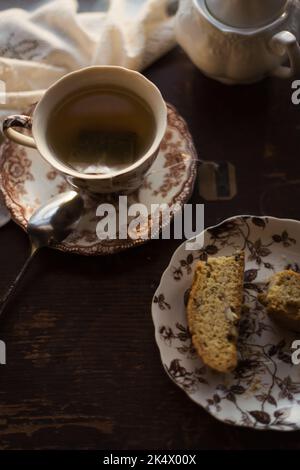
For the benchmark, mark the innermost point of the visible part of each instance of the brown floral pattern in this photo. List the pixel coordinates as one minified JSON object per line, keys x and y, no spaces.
{"x":176,"y":158}
{"x":264,"y":390}
{"x":18,"y":167}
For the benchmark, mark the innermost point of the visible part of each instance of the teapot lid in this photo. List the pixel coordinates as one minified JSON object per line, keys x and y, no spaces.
{"x":245,"y":13}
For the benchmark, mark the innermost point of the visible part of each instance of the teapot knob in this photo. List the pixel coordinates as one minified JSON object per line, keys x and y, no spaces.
{"x":286,"y":43}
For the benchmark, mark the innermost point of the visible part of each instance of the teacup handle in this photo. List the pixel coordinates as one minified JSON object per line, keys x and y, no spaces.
{"x":22,"y":121}
{"x":286,"y":43}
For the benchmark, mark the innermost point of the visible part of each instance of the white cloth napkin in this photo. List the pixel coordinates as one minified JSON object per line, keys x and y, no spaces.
{"x":37,"y":48}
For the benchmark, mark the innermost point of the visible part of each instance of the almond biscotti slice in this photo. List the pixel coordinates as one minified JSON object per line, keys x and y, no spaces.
{"x":283,"y":299}
{"x":214,"y":310}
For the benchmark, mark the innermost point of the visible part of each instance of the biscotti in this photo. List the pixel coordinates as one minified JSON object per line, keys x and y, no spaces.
{"x":214,"y":310}
{"x":282,"y":299}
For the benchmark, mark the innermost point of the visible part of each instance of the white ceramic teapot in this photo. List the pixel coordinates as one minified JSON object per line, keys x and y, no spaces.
{"x":241,"y":41}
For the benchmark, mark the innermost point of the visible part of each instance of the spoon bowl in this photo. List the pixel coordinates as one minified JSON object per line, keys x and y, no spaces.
{"x":52,"y":222}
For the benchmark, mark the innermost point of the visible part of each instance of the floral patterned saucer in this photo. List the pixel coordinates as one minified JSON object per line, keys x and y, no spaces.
{"x":264,"y":390}
{"x":27,"y":182}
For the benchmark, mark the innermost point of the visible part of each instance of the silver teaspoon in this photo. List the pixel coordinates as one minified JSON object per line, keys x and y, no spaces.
{"x":52,"y":222}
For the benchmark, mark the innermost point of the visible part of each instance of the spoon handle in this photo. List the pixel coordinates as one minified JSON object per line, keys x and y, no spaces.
{"x":11,"y":291}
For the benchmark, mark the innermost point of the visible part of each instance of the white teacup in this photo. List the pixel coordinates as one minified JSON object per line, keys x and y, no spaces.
{"x":125,"y":180}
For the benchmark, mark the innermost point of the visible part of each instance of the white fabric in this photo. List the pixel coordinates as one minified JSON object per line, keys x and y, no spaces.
{"x":37,"y":48}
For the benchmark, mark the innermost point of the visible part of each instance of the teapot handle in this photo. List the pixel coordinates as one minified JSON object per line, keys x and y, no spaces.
{"x":286,"y":43}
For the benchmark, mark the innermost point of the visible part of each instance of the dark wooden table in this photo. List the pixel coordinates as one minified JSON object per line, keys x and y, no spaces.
{"x":83,"y":370}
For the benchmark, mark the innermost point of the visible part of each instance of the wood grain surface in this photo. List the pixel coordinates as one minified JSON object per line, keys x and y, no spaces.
{"x":83,"y":370}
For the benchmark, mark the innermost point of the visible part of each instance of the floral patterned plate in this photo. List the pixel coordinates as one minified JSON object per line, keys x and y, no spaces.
{"x":264,"y":391}
{"x":27,"y":182}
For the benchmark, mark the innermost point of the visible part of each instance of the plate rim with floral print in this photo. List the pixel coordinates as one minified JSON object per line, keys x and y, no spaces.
{"x":263,"y":393}
{"x":27,"y":181}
